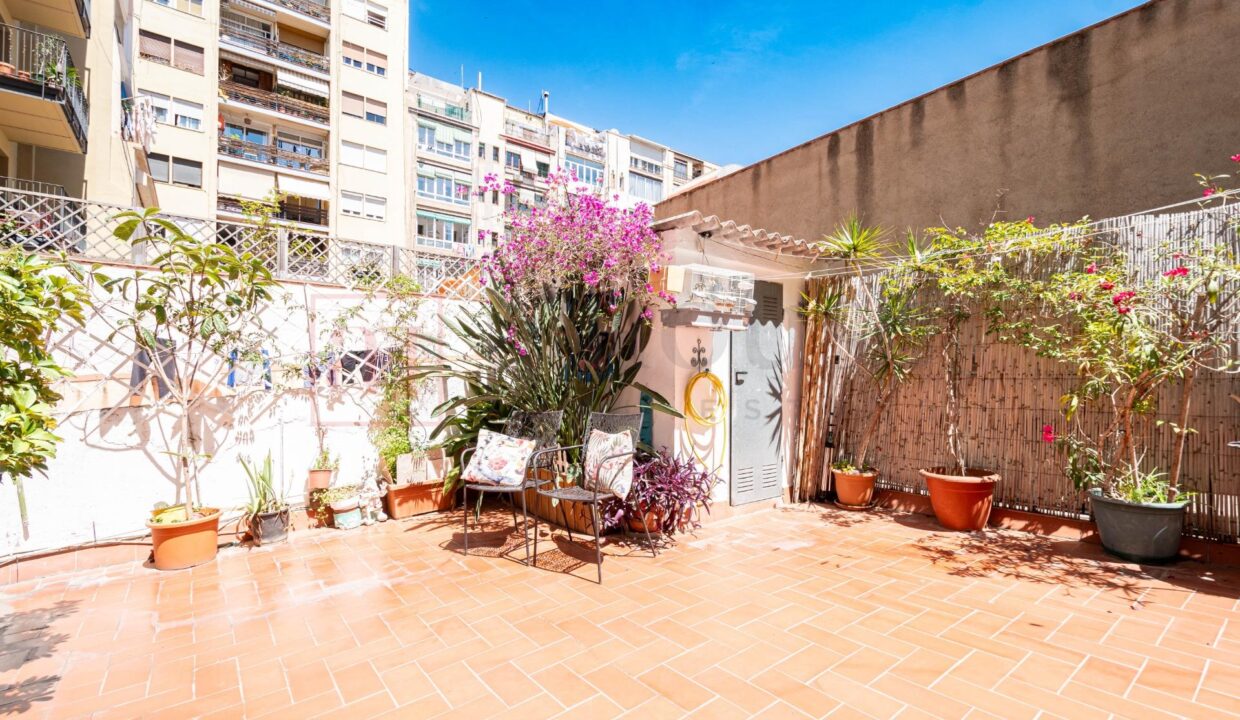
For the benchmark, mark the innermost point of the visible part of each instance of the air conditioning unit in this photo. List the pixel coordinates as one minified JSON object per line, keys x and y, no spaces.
{"x":708,"y":296}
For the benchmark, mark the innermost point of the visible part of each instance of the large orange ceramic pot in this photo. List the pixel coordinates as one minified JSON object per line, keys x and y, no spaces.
{"x":179,"y":545}
{"x":854,"y":489}
{"x":961,"y":502}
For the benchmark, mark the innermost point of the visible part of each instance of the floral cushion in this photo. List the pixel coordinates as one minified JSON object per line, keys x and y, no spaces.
{"x":499,"y":460}
{"x":615,"y":475}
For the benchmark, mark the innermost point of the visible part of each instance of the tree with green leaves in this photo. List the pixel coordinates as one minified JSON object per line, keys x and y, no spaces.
{"x":196,"y":308}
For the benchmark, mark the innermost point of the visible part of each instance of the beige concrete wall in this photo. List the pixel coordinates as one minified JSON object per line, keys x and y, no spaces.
{"x":1111,"y":120}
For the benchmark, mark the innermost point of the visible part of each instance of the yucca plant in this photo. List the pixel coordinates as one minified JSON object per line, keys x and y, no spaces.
{"x":264,"y":498}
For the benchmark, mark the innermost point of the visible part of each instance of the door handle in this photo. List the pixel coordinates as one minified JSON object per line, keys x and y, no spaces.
{"x":738,"y":377}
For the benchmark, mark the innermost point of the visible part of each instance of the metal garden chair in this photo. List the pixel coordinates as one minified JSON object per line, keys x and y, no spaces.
{"x":544,"y":429}
{"x":578,"y":493}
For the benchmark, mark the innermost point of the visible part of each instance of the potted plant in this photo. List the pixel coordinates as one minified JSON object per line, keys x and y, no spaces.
{"x":1130,"y":333}
{"x":322,"y":469}
{"x":345,"y":503}
{"x":416,"y":484}
{"x":667,"y":496}
{"x":197,"y":306}
{"x":7,"y":68}
{"x":267,"y":512}
{"x":893,"y":327}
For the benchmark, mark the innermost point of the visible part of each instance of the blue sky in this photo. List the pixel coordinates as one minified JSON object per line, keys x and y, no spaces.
{"x":732,"y":82}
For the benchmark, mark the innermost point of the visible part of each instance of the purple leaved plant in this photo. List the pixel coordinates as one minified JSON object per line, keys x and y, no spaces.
{"x":665,"y":487}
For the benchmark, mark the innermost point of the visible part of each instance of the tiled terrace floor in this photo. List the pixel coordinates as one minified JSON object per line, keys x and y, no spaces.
{"x":781,"y":613}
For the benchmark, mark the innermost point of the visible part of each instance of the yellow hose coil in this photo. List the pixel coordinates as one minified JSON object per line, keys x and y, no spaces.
{"x":718,"y":416}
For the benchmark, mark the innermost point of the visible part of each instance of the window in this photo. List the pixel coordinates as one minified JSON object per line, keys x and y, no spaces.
{"x":187,"y":57}
{"x":495,"y":153}
{"x":188,"y":114}
{"x":177,"y":171}
{"x":376,"y":112}
{"x":442,"y":231}
{"x":585,"y":171}
{"x":186,"y":172}
{"x":360,"y":205}
{"x":646,"y":188}
{"x":154,"y":47}
{"x":363,"y":59}
{"x":681,"y":170}
{"x":444,"y":186}
{"x":295,"y":144}
{"x":512,"y":160}
{"x":159,"y":166}
{"x":161,"y":105}
{"x":482,"y":151}
{"x":358,"y":155}
{"x":363,"y":107}
{"x":645,"y":165}
{"x":193,"y":7}
{"x":495,"y":197}
{"x":544,"y":169}
{"x":367,"y":11}
{"x":246,"y":76}
{"x":444,"y":140}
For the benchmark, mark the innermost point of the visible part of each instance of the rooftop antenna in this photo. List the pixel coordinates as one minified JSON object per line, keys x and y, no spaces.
{"x":479,"y":79}
{"x":546,"y":102}
{"x":462,"y":77}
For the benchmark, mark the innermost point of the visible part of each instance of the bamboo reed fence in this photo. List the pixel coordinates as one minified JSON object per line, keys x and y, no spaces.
{"x":1007,"y":395}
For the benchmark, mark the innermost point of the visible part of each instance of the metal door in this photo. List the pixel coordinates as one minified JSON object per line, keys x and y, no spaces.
{"x":757,"y":389}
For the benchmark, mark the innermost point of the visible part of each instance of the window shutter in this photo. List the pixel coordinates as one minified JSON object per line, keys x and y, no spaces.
{"x":352,"y":154}
{"x":376,"y":207}
{"x":353,"y":52}
{"x":155,"y":47}
{"x":353,"y":105}
{"x":376,"y":107}
{"x":376,"y":159}
{"x":379,"y":59}
{"x":355,"y":8}
{"x":159,"y":166}
{"x":188,"y":57}
{"x":351,"y":203}
{"x":187,"y":172}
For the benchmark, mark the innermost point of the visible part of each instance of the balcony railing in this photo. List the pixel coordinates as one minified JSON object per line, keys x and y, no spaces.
{"x":271,"y":155}
{"x":448,"y":110}
{"x":275,"y":102}
{"x":522,"y":132}
{"x":34,"y":186}
{"x":240,"y":35}
{"x":317,"y":10}
{"x":585,"y":145}
{"x":38,"y":64}
{"x":285,"y":211}
{"x":646,"y":166}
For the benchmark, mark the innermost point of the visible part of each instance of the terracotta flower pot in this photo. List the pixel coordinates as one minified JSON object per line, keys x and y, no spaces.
{"x":185,"y":544}
{"x":651,"y":520}
{"x":319,"y":480}
{"x":961,"y":502}
{"x":854,"y":489}
{"x":411,"y":499}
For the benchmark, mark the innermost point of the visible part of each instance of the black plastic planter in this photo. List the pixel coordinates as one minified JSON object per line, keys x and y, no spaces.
{"x":270,"y":527}
{"x":1139,"y":532}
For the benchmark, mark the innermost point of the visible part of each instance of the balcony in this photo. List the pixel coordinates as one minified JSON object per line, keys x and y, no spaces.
{"x":587,"y":146}
{"x":528,"y":134}
{"x":41,"y":100}
{"x":646,"y":166}
{"x":289,"y":209}
{"x":271,"y":155}
{"x":443,"y":109}
{"x":275,"y":102}
{"x":240,"y":36}
{"x":39,"y":216}
{"x":68,"y":17}
{"x":312,"y":8}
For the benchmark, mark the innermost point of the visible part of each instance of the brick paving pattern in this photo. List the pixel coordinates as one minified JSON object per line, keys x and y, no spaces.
{"x":795,"y":612}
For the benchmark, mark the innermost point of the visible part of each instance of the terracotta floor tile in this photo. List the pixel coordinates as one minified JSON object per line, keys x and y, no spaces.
{"x":794,"y":612}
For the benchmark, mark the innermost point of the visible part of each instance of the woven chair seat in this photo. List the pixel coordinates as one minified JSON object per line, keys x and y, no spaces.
{"x":572,"y":493}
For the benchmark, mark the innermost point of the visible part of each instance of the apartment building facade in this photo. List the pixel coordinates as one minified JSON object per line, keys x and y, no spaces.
{"x":460,"y":136}
{"x":65,"y":130}
{"x":294,"y":101}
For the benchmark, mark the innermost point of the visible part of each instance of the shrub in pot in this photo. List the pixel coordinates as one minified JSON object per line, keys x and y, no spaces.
{"x":893,"y":327}
{"x":267,"y":512}
{"x":196,"y":308}
{"x":418,"y":487}
{"x":1129,"y":334}
{"x":667,"y":495}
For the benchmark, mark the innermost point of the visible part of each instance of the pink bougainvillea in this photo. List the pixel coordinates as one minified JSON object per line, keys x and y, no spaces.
{"x":1180,"y":271}
{"x":574,"y":238}
{"x":1048,"y":433}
